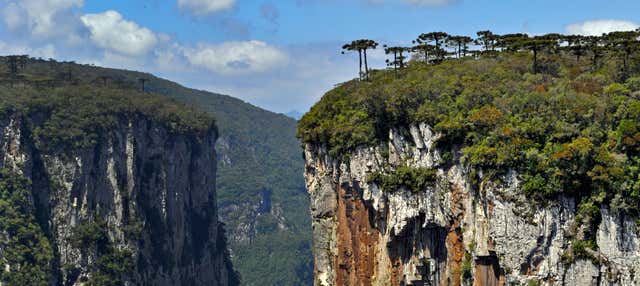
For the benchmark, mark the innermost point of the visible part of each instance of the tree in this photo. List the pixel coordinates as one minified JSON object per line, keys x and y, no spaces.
{"x":15,"y":62}
{"x":511,"y":42}
{"x":398,"y":56}
{"x":143,"y":81}
{"x":487,"y":40}
{"x":426,"y":49}
{"x":548,"y":42}
{"x":12,"y":65}
{"x":460,"y":44}
{"x":366,"y":45}
{"x":22,"y":60}
{"x":594,"y":44}
{"x":623,"y":44}
{"x":576,"y":44}
{"x":361,"y":46}
{"x":437,"y":38}
{"x":104,"y":79}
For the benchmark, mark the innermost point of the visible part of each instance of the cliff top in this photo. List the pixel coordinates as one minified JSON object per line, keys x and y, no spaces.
{"x":74,"y":114}
{"x":571,"y":128}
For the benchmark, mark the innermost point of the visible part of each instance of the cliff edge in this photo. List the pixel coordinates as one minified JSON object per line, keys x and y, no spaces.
{"x":107,"y":187}
{"x":476,"y":172}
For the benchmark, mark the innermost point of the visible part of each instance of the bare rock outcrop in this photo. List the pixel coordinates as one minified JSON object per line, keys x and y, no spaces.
{"x":462,"y":230}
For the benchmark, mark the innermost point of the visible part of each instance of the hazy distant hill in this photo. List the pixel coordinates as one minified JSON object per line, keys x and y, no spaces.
{"x":294,"y":114}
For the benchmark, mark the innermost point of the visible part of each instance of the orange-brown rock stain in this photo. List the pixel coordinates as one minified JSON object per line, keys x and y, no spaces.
{"x":397,"y":272}
{"x":356,"y":242}
{"x":456,"y":251}
{"x":454,"y":240}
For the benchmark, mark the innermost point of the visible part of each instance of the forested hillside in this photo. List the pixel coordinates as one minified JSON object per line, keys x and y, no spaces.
{"x":261,"y":193}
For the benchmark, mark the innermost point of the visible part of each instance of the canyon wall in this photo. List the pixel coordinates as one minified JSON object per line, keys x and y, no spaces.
{"x":461,"y":230}
{"x":142,"y":196}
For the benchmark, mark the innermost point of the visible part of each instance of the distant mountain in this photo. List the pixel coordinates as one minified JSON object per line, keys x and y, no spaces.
{"x":294,"y":114}
{"x":261,"y":194}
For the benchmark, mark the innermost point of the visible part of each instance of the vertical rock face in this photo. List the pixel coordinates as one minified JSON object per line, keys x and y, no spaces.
{"x":455,"y":232}
{"x":151,"y":191}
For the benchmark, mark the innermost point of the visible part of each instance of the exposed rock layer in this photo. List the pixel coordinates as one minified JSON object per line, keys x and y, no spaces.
{"x":138,"y":176}
{"x":458,"y":232}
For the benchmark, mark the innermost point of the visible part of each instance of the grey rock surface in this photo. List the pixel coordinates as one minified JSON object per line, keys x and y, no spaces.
{"x":139,"y":174}
{"x":492,"y":223}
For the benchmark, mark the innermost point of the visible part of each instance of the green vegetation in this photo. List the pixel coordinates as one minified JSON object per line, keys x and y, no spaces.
{"x":467,"y":267}
{"x":26,"y":249}
{"x":533,"y":283}
{"x":361,"y":46}
{"x":414,"y":179}
{"x":257,"y":150}
{"x":275,"y":247}
{"x":569,"y":127}
{"x":76,"y":115}
{"x":112,"y":265}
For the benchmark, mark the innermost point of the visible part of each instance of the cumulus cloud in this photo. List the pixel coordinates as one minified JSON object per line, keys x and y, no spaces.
{"x":599,"y":27}
{"x":42,"y":18}
{"x":236,"y":58}
{"x":112,"y":32}
{"x":203,"y":7}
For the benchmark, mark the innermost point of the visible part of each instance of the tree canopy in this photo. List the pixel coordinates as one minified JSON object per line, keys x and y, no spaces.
{"x":434,"y":47}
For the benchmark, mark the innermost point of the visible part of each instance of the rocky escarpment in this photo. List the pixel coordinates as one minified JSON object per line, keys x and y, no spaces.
{"x":459,"y":230}
{"x":138,"y":207}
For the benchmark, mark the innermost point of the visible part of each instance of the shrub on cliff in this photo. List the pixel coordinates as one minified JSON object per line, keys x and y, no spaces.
{"x":414,"y":179}
{"x":27,"y":251}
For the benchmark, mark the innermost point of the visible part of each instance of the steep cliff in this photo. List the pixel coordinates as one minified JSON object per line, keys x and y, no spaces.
{"x":475,"y":172}
{"x":464,"y":234}
{"x":261,"y":195}
{"x":120,"y":185}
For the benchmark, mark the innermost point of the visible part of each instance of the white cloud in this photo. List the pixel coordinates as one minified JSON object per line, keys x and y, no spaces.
{"x":47,"y":51}
{"x":203,"y":7}
{"x":599,"y":27}
{"x":41,"y":17}
{"x":13,"y":16}
{"x":236,"y":58}
{"x":110,"y":31}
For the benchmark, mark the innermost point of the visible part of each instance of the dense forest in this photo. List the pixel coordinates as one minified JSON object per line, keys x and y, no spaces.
{"x":562,"y":111}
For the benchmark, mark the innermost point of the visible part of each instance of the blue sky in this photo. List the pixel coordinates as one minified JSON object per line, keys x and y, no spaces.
{"x":281,"y":55}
